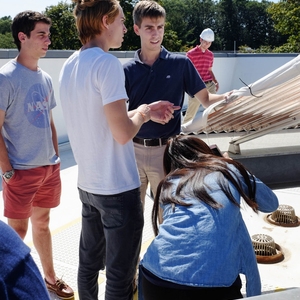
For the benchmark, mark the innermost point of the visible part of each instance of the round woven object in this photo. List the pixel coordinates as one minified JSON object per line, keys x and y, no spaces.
{"x":284,"y":216}
{"x":266,"y":250}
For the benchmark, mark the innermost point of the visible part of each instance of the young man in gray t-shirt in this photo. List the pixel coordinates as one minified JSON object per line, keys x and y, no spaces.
{"x":29,"y":158}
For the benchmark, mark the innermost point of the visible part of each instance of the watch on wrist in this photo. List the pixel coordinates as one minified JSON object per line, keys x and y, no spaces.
{"x":9,"y":174}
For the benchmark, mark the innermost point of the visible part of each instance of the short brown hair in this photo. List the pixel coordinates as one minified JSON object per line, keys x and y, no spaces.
{"x":89,"y":14}
{"x":25,"y":22}
{"x":147,"y":9}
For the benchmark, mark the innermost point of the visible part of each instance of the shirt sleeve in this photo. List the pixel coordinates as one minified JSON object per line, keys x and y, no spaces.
{"x":265,"y":198}
{"x":111,"y":80}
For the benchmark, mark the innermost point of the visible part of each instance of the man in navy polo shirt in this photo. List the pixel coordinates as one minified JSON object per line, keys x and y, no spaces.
{"x":156,"y":74}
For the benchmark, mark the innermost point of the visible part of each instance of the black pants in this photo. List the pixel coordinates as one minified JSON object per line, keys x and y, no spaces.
{"x":111,"y":237}
{"x":152,"y":291}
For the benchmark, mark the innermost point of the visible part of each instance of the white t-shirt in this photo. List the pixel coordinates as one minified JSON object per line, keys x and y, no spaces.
{"x":89,"y":80}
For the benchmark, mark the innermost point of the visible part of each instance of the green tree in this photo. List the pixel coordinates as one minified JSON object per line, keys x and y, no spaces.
{"x":64,"y":33}
{"x":258,"y":28}
{"x":201,"y":14}
{"x":63,"y":30}
{"x":286,"y":16}
{"x":246,"y":22}
{"x":131,"y":40}
{"x":227,"y":24}
{"x":172,"y":42}
{"x":262,"y":26}
{"x":176,"y":11}
{"x":5,"y":23}
{"x":6,"y":41}
{"x":187,"y":18}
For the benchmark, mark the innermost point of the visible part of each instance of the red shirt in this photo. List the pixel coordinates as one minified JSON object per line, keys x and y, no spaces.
{"x":202,"y":62}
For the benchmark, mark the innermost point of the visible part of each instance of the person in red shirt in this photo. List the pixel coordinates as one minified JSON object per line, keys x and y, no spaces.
{"x":203,"y":59}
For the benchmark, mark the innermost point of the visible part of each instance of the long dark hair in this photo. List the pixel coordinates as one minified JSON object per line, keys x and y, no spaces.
{"x":190,"y":159}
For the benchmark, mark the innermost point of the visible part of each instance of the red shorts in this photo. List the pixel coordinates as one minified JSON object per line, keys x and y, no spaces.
{"x":39,"y":187}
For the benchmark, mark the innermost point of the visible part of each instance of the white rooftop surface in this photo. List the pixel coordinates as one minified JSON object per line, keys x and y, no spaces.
{"x":65,"y":228}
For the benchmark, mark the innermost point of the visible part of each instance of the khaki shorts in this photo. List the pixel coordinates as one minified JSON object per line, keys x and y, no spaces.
{"x":39,"y":187}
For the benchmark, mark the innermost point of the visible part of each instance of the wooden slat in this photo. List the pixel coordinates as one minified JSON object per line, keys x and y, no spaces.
{"x":278,"y":106}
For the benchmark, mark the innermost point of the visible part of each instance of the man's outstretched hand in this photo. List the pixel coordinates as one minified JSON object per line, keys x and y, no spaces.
{"x":162,"y":111}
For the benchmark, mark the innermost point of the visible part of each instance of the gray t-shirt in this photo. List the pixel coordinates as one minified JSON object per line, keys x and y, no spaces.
{"x":27,"y":98}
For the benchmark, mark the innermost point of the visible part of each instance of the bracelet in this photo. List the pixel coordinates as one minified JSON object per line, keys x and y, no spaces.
{"x":143,"y":115}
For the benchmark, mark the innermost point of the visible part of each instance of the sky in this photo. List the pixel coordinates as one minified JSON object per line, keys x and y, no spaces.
{"x":13,"y":7}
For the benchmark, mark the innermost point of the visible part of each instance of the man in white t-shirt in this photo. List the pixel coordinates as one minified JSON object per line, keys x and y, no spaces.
{"x":100,"y":131}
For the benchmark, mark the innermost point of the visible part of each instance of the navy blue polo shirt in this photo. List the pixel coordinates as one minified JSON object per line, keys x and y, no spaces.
{"x":167,"y":79}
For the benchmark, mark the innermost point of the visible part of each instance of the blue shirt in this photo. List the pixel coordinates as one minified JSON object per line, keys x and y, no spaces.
{"x":20,"y":278}
{"x":167,"y":79}
{"x":205,"y":247}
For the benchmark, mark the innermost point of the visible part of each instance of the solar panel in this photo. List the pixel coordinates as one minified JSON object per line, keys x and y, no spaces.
{"x":270,"y":104}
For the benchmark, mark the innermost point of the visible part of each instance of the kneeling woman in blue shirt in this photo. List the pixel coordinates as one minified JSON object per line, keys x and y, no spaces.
{"x":203,"y":244}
